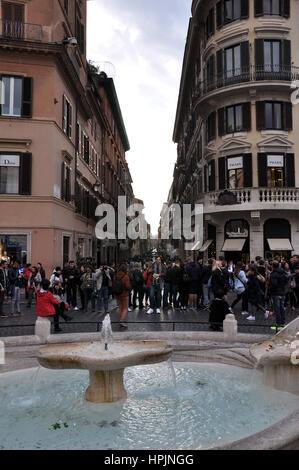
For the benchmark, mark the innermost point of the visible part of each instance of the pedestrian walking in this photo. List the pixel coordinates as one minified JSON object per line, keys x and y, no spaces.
{"x":71,"y":278}
{"x":254,"y":295}
{"x":277,"y":288}
{"x":121,"y":289}
{"x":219,"y":308}
{"x":16,"y":281}
{"x":240,"y":287}
{"x":89,"y":288}
{"x":103,"y":276}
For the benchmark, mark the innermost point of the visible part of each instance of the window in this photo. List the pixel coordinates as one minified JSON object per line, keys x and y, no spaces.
{"x":232,"y":61}
{"x":65,"y":250}
{"x":234,"y":118}
{"x":9,"y":174}
{"x":235,"y":172}
{"x":16,"y":96}
{"x":67,"y":117}
{"x":80,"y":35}
{"x":65,"y":182}
{"x":272,"y":56}
{"x":273,"y":115}
{"x":210,"y":26}
{"x":13,"y":19}
{"x":276,"y":170}
{"x":66,"y":6}
{"x":211,"y":127}
{"x":237,"y":228}
{"x":231,"y":10}
{"x":272,"y":7}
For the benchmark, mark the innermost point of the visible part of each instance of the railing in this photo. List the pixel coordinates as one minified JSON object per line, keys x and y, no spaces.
{"x":21,"y":31}
{"x":257,"y":195}
{"x":247,"y":74}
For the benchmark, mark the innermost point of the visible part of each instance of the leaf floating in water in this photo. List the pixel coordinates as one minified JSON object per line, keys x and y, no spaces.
{"x":114,"y":423}
{"x":103,"y":423}
{"x":200,"y":384}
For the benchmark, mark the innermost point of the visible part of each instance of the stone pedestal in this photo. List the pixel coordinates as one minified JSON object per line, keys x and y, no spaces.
{"x":230,"y":327}
{"x":105,"y":386}
{"x":282,"y":377}
{"x":43,"y":328}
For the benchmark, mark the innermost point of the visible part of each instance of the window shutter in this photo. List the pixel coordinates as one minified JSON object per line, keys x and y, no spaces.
{"x":290,"y":170}
{"x":244,"y":9}
{"x":258,"y":7}
{"x":64,"y":114}
{"x":212,"y":179}
{"x":219,"y":14}
{"x":246,"y":112}
{"x":68,"y":185}
{"x":63,"y":187}
{"x":213,"y":126}
{"x":245,"y":60}
{"x":25,"y":174}
{"x":82,"y":36}
{"x":259,"y":54}
{"x":247,"y":170}
{"x":219,"y":65}
{"x":27,"y":97}
{"x":69,"y":120}
{"x":0,"y":96}
{"x":287,"y":116}
{"x":262,"y":169}
{"x":206,"y":179}
{"x":286,"y":53}
{"x":260,"y":115}
{"x":7,"y":11}
{"x":286,"y":8}
{"x":222,"y":172}
{"x":221,"y":122}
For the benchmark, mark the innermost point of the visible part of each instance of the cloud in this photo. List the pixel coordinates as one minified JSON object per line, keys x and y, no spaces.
{"x":145,"y":41}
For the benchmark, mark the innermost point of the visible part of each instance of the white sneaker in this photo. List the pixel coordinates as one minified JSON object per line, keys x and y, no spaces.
{"x":150,"y":311}
{"x":158,"y":310}
{"x":267,"y":314}
{"x":230,"y":309}
{"x":76,"y":308}
{"x":129,"y":309}
{"x":245,"y":313}
{"x":250,"y":318}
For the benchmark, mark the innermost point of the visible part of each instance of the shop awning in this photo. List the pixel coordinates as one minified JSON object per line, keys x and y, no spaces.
{"x":234,"y":244}
{"x":205,"y":246}
{"x":280,"y":244}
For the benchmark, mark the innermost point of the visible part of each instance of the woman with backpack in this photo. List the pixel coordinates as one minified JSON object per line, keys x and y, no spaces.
{"x":240,"y":287}
{"x":121,"y":288}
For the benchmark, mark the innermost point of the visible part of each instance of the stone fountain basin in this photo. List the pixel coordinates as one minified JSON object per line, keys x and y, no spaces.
{"x":279,"y":355}
{"x":92,"y":356}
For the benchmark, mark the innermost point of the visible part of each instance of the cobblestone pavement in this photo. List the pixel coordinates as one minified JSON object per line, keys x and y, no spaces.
{"x":138,"y":320}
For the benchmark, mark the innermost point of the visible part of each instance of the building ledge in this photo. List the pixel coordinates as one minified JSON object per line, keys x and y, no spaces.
{"x":15,"y":142}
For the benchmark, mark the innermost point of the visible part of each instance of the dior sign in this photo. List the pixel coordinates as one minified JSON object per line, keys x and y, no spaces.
{"x":9,"y":160}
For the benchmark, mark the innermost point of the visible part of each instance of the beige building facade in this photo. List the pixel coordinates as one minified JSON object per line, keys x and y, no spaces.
{"x":62,"y":137}
{"x":237,"y":128}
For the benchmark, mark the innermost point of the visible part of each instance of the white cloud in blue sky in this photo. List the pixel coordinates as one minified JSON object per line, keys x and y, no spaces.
{"x":145,"y":41}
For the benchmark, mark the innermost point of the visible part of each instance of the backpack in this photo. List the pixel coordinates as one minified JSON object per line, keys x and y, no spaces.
{"x":117,"y":286}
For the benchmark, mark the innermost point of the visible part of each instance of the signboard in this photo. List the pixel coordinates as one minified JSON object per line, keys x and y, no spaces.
{"x":9,"y":160}
{"x":235,"y":163}
{"x":275,"y":161}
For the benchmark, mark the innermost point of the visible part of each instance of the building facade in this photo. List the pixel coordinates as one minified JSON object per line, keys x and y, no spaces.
{"x":236,"y":127}
{"x":62,"y":136}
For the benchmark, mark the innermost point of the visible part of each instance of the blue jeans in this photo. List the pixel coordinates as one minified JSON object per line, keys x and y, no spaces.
{"x":103,"y":293}
{"x":155,"y":297}
{"x":278,"y":304}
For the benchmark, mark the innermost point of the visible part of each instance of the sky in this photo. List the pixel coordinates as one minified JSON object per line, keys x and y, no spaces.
{"x":145,"y":42}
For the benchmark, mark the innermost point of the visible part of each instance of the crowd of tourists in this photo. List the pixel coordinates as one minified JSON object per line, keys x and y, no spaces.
{"x":263,"y":287}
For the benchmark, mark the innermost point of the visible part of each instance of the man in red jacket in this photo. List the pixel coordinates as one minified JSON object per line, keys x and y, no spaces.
{"x":45,"y":304}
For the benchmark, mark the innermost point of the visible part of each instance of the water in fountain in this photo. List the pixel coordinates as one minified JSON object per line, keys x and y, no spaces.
{"x":106,"y":333}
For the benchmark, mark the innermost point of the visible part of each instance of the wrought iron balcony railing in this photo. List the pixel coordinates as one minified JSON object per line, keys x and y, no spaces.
{"x":21,"y":31}
{"x":253,"y":73}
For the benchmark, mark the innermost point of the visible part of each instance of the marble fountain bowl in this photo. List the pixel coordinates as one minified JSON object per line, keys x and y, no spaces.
{"x":106,"y":367}
{"x":279,"y":359}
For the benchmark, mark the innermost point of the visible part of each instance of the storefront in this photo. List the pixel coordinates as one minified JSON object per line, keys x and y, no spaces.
{"x":17,"y":247}
{"x":236,"y":245}
{"x":277,"y":239}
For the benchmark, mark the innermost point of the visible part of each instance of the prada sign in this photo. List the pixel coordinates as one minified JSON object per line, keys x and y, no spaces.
{"x":235,"y":163}
{"x":275,"y":161}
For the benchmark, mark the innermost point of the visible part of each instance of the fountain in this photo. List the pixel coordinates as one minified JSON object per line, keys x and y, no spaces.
{"x":106,"y":366}
{"x":280,"y":359}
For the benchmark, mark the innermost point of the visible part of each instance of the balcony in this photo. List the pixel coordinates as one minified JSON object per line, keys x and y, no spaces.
{"x":251,"y":200}
{"x":245,"y":75}
{"x":16,"y":30}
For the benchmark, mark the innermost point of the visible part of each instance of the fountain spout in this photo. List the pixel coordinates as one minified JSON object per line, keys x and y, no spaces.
{"x":106,"y":333}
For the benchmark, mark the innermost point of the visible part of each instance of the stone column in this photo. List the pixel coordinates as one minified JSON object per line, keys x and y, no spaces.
{"x":230,"y":327}
{"x":43,"y":328}
{"x":105,"y":386}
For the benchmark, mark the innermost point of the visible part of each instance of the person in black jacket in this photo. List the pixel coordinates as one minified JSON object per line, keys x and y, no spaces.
{"x":219,"y":280}
{"x":3,"y":286}
{"x":218,"y":310}
{"x":167,"y":292}
{"x":16,"y":281}
{"x":71,"y":279}
{"x":254,"y":295}
{"x":177,"y":285}
{"x":277,"y":288}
